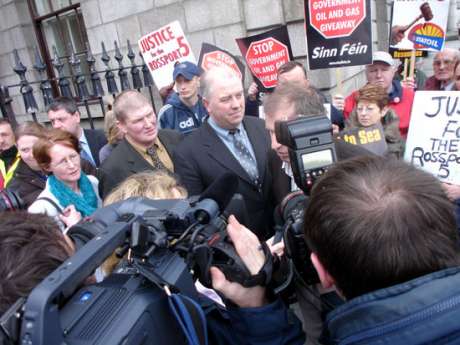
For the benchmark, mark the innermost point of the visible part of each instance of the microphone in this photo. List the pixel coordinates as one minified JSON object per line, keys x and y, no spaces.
{"x":216,"y":197}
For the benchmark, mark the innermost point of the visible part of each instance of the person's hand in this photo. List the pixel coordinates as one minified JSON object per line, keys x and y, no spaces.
{"x":408,"y":83}
{"x":165,"y":91}
{"x":338,"y":101}
{"x":253,"y":91}
{"x":277,"y":248}
{"x":452,"y":190}
{"x":247,"y":246}
{"x":335,"y":129}
{"x":397,"y":34}
{"x":70,"y":216}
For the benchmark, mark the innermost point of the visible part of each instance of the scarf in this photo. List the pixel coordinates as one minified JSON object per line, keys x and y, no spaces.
{"x":86,"y":203}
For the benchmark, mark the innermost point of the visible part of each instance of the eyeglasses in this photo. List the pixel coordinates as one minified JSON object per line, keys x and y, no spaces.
{"x":65,"y":162}
{"x":438,"y":63}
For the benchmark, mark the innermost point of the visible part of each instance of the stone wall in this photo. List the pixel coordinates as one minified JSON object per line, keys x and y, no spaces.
{"x":217,"y":22}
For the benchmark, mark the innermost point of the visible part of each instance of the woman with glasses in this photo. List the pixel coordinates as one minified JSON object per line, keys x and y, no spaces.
{"x":372,"y":108}
{"x":69,"y":193}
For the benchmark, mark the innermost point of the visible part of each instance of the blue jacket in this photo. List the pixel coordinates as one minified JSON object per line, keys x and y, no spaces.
{"x":176,"y":115}
{"x":421,"y":311}
{"x":272,"y":324}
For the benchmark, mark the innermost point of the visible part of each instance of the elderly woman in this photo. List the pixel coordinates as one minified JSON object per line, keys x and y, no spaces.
{"x":69,"y":193}
{"x":372,"y":108}
{"x":29,"y":180}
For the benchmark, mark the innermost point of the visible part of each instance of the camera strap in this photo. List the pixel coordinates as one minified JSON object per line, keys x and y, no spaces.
{"x":190,"y":317}
{"x":187,"y":312}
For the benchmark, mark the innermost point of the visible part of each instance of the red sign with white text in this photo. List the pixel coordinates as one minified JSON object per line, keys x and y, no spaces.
{"x":264,"y":58}
{"x":219,"y":58}
{"x":336,"y":18}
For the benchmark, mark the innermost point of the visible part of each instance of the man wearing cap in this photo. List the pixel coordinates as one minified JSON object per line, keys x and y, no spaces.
{"x":381,"y":72}
{"x":184,"y":110}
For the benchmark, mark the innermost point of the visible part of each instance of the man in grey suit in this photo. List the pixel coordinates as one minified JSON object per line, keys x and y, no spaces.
{"x":144,"y":147}
{"x":229,"y":141}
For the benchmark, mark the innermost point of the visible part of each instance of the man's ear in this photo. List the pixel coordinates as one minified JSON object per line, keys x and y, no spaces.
{"x":77,"y":114}
{"x":327,"y":281}
{"x":206,"y":104}
{"x":121,"y":126}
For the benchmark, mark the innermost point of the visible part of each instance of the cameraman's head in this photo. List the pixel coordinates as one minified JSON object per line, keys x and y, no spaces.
{"x":287,"y":102}
{"x":373,"y":223}
{"x":32,"y":246}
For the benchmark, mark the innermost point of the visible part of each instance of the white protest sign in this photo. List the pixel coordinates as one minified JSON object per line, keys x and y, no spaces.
{"x":433,"y":141}
{"x":162,"y":48}
{"x":423,"y":23}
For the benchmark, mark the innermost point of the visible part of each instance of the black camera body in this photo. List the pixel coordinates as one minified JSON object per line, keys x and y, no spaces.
{"x":169,"y":243}
{"x":311,"y":152}
{"x":311,"y":147}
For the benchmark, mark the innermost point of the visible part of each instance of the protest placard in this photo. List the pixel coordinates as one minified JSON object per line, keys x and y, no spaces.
{"x":372,"y":138}
{"x":338,"y":33}
{"x":161,"y":49}
{"x":211,"y":56}
{"x":264,"y":54}
{"x":422,"y":24}
{"x":433,"y":141}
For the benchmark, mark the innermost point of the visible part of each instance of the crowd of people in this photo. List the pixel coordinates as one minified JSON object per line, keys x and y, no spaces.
{"x":383,"y":234}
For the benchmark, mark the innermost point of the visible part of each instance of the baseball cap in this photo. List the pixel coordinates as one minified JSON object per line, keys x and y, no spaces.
{"x":380,"y":56}
{"x":187,"y":69}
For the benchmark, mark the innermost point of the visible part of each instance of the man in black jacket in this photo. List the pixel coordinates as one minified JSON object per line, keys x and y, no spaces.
{"x":63,"y":114}
{"x":229,"y":141}
{"x":144,"y":147}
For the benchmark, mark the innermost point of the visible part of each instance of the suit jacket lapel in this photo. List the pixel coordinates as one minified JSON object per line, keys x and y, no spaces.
{"x":219,"y":151}
{"x":92,"y":145}
{"x":136,"y":162}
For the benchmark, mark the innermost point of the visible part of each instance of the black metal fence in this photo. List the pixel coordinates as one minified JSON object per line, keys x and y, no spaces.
{"x":86,"y":88}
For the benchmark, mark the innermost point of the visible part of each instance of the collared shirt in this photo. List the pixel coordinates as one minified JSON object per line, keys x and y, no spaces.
{"x":161,"y":151}
{"x":288,"y":171}
{"x":447,"y":86}
{"x":227,"y":138}
{"x":85,"y":146}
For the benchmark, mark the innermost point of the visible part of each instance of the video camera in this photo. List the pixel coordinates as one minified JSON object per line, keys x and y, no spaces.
{"x":311,"y":152}
{"x":168,"y":243}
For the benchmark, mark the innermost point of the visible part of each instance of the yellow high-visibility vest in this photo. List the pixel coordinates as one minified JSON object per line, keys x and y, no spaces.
{"x":8,"y":174}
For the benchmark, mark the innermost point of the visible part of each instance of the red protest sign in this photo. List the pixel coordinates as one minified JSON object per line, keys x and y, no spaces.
{"x":219,"y":58}
{"x":336,"y":18}
{"x":264,"y":58}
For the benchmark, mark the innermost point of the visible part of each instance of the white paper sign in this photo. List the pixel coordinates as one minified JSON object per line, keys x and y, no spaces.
{"x":433,"y":141}
{"x":162,"y":48}
{"x":428,"y":32}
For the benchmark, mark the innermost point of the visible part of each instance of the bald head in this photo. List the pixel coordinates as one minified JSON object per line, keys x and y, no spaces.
{"x":215,"y":75}
{"x":127,"y":102}
{"x":223,"y":96}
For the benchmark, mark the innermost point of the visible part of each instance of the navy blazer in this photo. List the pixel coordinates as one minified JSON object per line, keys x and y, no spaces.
{"x":96,"y":140}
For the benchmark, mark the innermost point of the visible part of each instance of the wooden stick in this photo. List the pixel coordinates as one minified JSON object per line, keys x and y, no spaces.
{"x":412,"y":65}
{"x":338,"y":77}
{"x":406,"y":65}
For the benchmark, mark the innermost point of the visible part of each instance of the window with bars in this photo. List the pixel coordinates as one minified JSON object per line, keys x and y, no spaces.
{"x":60,"y":24}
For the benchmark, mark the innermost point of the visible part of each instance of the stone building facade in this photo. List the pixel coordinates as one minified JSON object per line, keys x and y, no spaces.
{"x":217,"y":22}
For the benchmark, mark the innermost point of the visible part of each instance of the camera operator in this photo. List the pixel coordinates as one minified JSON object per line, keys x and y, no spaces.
{"x":391,"y":249}
{"x":286,"y":103}
{"x":32,"y":247}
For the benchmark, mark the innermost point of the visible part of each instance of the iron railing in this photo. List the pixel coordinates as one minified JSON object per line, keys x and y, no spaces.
{"x":85,"y":88}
